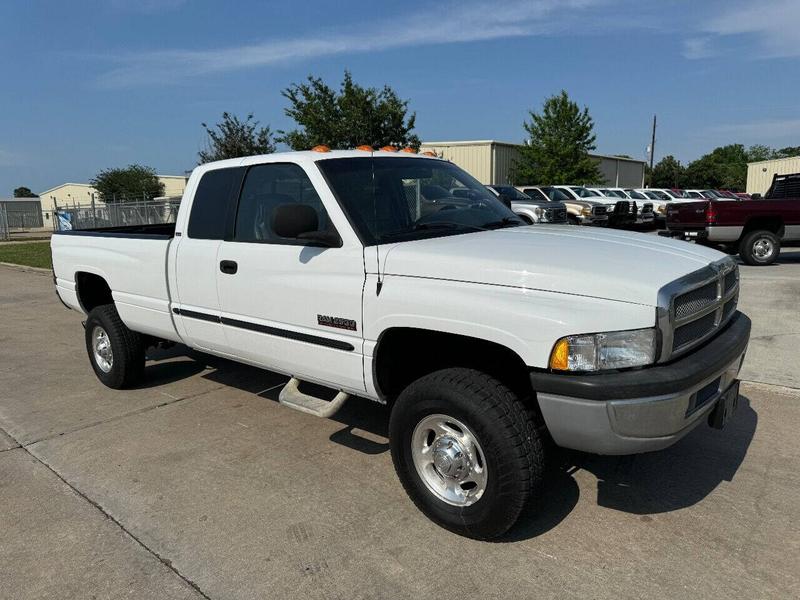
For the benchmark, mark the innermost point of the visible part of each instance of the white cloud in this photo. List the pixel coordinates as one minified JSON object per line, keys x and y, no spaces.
{"x":695,"y":48}
{"x":444,"y":24}
{"x":771,"y":25}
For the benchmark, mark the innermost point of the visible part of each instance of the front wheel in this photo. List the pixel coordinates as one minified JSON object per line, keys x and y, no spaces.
{"x":760,"y":248}
{"x":116,"y":352}
{"x":466,"y":450}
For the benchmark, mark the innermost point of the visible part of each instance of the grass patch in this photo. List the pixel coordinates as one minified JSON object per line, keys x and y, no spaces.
{"x":30,"y":254}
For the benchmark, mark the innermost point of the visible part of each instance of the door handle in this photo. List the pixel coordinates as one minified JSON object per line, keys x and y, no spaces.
{"x":228,"y":266}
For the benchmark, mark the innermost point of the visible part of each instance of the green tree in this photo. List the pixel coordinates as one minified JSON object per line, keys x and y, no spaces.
{"x":233,"y":138}
{"x":24,"y":192}
{"x":787,"y":152}
{"x":667,"y":173}
{"x":557,"y":147}
{"x":352,"y":116}
{"x":722,"y":168}
{"x":759,"y":152}
{"x":128,"y":184}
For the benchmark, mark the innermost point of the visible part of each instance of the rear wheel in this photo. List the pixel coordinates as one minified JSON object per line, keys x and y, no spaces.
{"x":116,"y":352}
{"x":760,"y":248}
{"x":466,"y":450}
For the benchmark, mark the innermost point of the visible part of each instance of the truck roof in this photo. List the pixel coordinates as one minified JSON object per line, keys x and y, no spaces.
{"x":306,"y":156}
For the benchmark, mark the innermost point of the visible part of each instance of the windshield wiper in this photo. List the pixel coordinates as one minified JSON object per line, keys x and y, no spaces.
{"x":444,"y":225}
{"x":504,"y":222}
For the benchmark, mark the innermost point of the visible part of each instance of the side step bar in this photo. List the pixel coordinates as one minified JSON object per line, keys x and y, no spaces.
{"x":292,"y":397}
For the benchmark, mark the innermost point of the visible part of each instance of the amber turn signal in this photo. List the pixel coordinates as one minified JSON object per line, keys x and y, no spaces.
{"x":321,"y":148}
{"x":364,"y":148}
{"x":388,"y":149}
{"x":559,"y":357}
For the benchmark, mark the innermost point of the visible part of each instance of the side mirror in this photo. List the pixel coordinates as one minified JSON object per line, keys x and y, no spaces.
{"x":756,"y":196}
{"x":300,"y":221}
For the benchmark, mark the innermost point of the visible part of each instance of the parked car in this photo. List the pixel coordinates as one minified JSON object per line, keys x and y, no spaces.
{"x":621,"y":213}
{"x":641,"y":206}
{"x":531,"y":208}
{"x":486,"y":339}
{"x":755,"y":229}
{"x":579,"y":212}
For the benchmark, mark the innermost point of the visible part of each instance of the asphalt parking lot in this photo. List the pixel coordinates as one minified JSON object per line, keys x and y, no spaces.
{"x":200,"y":485}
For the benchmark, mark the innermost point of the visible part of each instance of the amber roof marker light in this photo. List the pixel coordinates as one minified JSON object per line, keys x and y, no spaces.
{"x":429,"y":153}
{"x":388,"y":149}
{"x":365,"y":148}
{"x":321,"y":148}
{"x":409,"y":150}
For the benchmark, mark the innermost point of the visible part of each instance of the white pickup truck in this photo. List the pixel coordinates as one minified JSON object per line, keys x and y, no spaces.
{"x":490,"y":340}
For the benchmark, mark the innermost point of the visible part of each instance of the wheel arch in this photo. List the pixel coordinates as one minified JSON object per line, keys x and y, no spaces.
{"x":423,"y":351}
{"x":773,"y":224}
{"x":92,"y":290}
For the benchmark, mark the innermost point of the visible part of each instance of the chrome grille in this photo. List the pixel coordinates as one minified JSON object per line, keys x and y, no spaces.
{"x":695,"y":307}
{"x":693,"y":302}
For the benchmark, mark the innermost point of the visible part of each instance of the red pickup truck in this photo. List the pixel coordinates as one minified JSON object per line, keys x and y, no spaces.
{"x":755,"y":229}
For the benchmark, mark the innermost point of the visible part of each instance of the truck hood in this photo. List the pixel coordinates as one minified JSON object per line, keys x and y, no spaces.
{"x":615,"y":265}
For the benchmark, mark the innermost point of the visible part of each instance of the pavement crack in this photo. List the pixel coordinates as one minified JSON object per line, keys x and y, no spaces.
{"x":132,"y":413}
{"x":163,"y":560}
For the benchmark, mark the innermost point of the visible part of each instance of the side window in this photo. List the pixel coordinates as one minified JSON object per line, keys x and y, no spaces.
{"x":210,"y":205}
{"x":266,"y":187}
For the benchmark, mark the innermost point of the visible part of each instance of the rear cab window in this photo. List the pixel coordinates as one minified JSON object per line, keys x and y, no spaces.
{"x":212,"y":199}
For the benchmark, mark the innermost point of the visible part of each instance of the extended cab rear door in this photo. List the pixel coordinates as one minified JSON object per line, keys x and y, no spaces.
{"x":194,"y":256}
{"x":286,"y":304}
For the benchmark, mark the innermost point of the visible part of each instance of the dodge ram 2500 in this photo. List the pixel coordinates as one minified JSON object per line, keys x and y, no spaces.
{"x":401,"y":279}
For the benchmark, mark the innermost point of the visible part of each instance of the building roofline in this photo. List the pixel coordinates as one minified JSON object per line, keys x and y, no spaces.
{"x":772,"y":160}
{"x":60,"y":185}
{"x":499,"y":143}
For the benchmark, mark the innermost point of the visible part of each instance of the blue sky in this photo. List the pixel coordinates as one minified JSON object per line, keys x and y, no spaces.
{"x":95,"y":84}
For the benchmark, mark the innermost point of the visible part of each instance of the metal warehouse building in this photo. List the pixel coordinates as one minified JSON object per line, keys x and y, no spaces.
{"x":21,"y":213}
{"x":490,"y":162}
{"x":759,"y":174}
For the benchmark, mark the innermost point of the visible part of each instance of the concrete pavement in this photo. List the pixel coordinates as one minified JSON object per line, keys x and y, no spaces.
{"x":200,"y":485}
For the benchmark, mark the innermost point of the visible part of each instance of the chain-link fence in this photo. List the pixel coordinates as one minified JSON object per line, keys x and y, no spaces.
{"x":118,"y":214}
{"x":4,"y":234}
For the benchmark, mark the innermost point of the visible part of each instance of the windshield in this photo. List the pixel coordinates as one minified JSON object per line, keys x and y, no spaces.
{"x":511,"y":192}
{"x":672,"y":194}
{"x":659,"y":195}
{"x":400,"y":199}
{"x":636,"y":195}
{"x":584,"y":193}
{"x":693,"y":195}
{"x":556,"y":194}
{"x":536,"y":194}
{"x":614,"y":193}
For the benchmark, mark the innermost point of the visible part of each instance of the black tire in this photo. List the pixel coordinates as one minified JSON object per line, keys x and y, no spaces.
{"x":127,"y":348}
{"x":508,"y":435}
{"x":752,"y":245}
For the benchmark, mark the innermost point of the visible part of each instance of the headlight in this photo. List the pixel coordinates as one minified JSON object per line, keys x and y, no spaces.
{"x":600,"y":351}
{"x":661,"y":208}
{"x":586,"y":211}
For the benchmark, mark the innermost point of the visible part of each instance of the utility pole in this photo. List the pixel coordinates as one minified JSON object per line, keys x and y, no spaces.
{"x":652,"y":150}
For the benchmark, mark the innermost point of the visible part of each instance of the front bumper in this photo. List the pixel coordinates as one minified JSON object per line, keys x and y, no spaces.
{"x":642,"y":410}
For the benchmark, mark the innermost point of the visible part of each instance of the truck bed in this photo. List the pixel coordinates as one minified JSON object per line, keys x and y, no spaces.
{"x":132,"y":260}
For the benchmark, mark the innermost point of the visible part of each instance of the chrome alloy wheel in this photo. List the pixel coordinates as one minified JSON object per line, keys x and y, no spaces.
{"x":449,"y":460}
{"x":763,"y":248}
{"x":101,"y":347}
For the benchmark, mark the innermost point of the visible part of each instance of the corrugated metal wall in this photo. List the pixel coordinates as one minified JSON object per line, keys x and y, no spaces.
{"x":476,"y":159}
{"x":503,"y":157}
{"x":491,"y":162}
{"x":759,"y":174}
